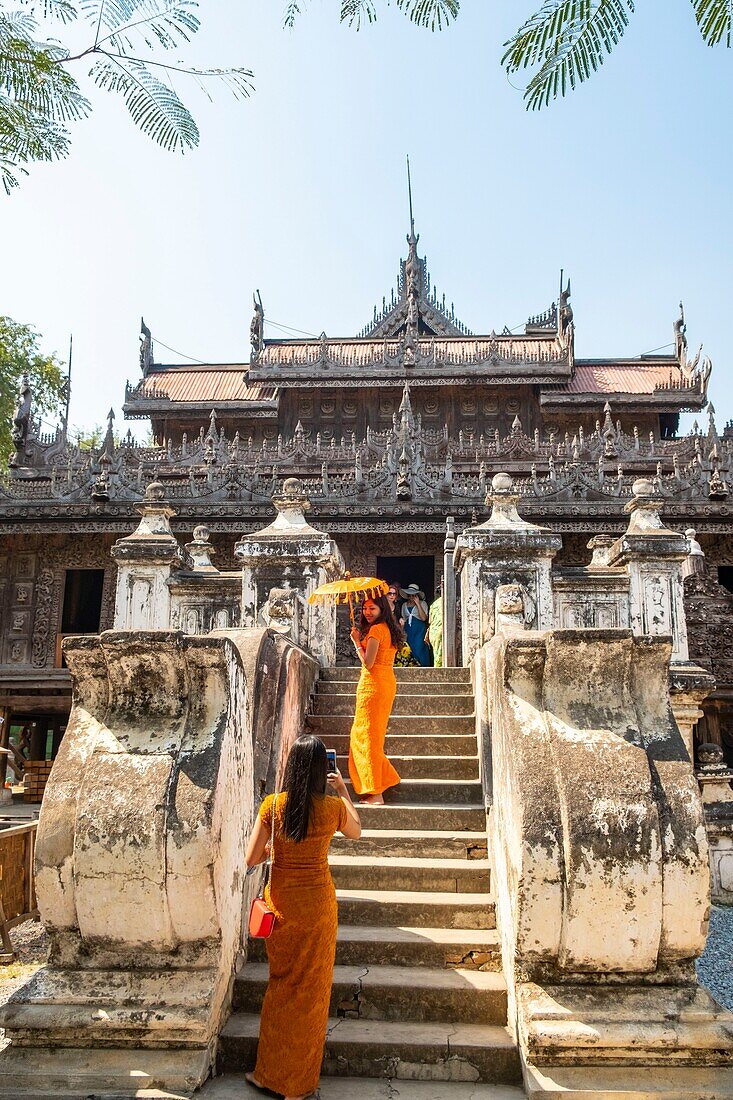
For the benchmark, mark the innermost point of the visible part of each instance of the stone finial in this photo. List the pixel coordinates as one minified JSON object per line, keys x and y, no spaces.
{"x":601,"y":546}
{"x":713,"y":775}
{"x":155,"y":513}
{"x":291,"y":504}
{"x":200,"y":551}
{"x":643,"y":508}
{"x":503,"y":501}
{"x":695,"y":560}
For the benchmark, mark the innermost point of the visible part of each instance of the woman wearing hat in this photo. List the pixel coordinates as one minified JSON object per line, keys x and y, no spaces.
{"x":415,"y":622}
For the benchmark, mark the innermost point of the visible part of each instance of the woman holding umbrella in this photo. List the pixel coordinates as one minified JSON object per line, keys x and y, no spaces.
{"x":377,"y":638}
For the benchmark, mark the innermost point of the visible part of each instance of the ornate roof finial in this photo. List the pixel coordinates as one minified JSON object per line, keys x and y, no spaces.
{"x":680,"y":339}
{"x":257,"y":326}
{"x":146,"y":348}
{"x":409,"y":195}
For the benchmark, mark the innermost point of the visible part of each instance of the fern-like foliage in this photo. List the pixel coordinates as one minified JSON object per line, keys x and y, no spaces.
{"x":40,"y":98}
{"x":153,"y":104}
{"x":432,"y":14}
{"x":715,"y":20}
{"x":567,"y":41}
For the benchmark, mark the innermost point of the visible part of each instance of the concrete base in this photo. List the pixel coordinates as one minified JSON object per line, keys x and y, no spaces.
{"x":633,"y":1083}
{"x":106,"y":1074}
{"x":231,"y":1087}
{"x":599,"y":1026}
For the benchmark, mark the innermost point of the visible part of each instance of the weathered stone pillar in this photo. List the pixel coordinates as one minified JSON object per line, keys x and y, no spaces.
{"x":145,"y":560}
{"x":281,"y":566}
{"x":654,"y":557}
{"x":504,"y":553}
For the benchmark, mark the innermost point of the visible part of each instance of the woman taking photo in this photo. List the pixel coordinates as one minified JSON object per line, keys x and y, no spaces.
{"x":377,"y":639}
{"x":302,"y":947}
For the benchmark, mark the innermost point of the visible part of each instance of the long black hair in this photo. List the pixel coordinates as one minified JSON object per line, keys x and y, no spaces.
{"x":387,"y":617}
{"x":305,"y":777}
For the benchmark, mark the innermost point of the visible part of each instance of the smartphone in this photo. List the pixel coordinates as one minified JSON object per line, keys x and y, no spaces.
{"x":331,"y":754}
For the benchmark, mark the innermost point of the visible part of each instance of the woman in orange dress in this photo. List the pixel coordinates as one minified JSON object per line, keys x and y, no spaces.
{"x":377,"y":639}
{"x":302,"y":947}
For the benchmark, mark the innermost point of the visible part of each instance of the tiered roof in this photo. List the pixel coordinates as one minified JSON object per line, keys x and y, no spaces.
{"x":415,"y":338}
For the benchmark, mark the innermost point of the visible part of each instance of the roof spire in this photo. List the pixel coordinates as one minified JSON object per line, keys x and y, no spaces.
{"x":409,"y":194}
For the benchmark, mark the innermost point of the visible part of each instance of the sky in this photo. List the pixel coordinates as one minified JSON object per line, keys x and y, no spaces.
{"x":300,"y":191}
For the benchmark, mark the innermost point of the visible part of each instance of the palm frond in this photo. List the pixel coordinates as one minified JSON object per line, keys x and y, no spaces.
{"x":153,"y":105}
{"x":569,"y":40}
{"x":715,"y":20}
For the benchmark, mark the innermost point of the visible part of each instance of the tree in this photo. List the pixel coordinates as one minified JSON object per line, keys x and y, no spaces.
{"x":20,"y":355}
{"x":40,"y":96}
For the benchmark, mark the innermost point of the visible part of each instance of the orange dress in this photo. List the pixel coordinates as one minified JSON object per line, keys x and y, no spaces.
{"x":370,"y":770}
{"x":301,"y":951}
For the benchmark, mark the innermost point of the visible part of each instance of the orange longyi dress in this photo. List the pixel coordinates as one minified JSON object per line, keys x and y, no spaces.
{"x":301,"y":950}
{"x":369,"y":768}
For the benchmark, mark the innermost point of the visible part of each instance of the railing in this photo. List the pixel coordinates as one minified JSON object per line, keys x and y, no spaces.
{"x":17,"y":892}
{"x":449,"y":595}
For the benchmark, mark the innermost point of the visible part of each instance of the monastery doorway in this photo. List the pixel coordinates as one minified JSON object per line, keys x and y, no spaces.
{"x":409,"y":569}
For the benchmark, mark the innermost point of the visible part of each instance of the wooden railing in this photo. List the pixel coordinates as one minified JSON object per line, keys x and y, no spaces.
{"x":17,"y":892}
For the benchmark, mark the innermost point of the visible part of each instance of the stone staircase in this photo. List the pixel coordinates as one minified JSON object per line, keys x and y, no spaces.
{"x":418,"y":993}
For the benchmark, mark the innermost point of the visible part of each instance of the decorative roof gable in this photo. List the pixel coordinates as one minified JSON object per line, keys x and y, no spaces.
{"x":416,"y":307}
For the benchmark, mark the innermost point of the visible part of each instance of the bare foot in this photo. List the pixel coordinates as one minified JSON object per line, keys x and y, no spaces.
{"x":373,"y":800}
{"x":253,"y":1081}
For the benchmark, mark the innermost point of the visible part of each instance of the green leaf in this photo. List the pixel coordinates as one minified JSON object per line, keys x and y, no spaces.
{"x":153,"y":105}
{"x":715,"y":20}
{"x":565,"y":41}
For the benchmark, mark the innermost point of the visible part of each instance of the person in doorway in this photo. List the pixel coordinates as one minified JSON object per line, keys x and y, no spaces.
{"x":393,"y":595}
{"x":415,"y":622}
{"x":302,"y":947}
{"x":377,"y":638}
{"x":435,"y":627}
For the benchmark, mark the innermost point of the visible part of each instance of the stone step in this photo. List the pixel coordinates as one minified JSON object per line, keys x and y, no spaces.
{"x":434,"y":843}
{"x":229,"y":1087}
{"x":377,"y":1048}
{"x":420,"y":791}
{"x":629,"y":1082}
{"x":459,"y":876}
{"x":437,"y":690}
{"x":422,"y":675}
{"x":325,"y":724}
{"x":363,"y":945}
{"x":404,"y":704}
{"x":423,"y":816}
{"x":415,"y":908}
{"x":417,"y":994}
{"x":49,"y":1072}
{"x":429,"y":744}
{"x":457,"y":768}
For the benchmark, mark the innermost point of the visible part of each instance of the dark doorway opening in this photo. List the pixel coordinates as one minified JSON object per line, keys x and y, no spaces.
{"x":418,"y":569}
{"x":82,"y":601}
{"x":725,"y":576}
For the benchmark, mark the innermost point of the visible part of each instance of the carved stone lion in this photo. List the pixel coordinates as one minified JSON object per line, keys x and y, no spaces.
{"x":514,"y":608}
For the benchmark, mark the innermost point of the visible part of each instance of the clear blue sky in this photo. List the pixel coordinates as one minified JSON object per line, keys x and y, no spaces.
{"x":301,"y":191}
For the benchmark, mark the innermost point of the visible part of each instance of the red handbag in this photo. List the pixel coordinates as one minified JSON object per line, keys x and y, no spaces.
{"x":261,"y":917}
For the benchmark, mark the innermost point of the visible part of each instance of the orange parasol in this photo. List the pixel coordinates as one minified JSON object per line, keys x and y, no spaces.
{"x":344,"y":590}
